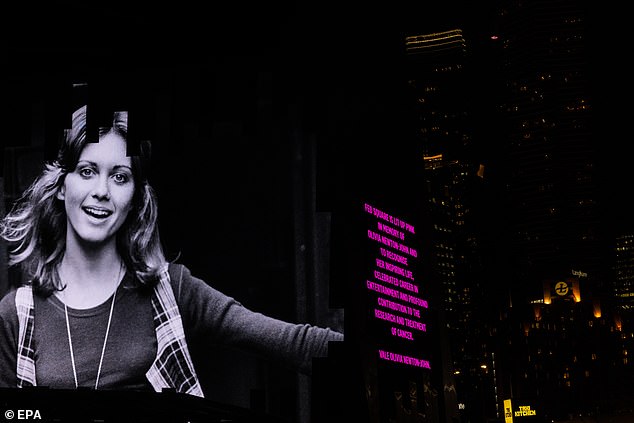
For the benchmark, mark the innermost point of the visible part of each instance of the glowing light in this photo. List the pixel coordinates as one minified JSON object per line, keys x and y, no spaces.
{"x":576,"y":292}
{"x":438,"y":40}
{"x":494,"y":37}
{"x":480,"y":172}
{"x":538,"y":312}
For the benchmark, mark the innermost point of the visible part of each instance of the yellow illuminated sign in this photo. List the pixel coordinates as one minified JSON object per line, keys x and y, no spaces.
{"x":519,"y":412}
{"x":525,"y":410}
{"x":561,"y":288}
{"x":508,"y":411}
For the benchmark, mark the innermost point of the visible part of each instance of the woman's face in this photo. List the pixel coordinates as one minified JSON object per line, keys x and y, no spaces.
{"x":98,"y":194}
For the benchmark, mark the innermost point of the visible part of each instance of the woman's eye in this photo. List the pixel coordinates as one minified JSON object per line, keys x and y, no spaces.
{"x":86,"y":172}
{"x":120,"y":178}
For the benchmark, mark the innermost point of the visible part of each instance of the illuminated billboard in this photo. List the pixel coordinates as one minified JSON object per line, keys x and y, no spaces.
{"x":393,"y":288}
{"x":392,"y":340}
{"x":521,"y":411}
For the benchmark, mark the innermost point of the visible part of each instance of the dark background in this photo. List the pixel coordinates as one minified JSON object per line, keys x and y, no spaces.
{"x":220,"y":92}
{"x":265,"y":118}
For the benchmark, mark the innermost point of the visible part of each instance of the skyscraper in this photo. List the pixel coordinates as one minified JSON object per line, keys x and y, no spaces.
{"x":440,"y":75}
{"x":549,"y":148}
{"x":560,"y":336}
{"x":623,"y":289}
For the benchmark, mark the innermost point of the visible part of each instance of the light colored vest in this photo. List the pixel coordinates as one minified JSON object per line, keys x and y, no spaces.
{"x":172,"y":367}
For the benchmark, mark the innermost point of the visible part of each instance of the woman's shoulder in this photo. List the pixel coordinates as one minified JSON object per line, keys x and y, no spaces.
{"x":7,"y":304}
{"x":178,"y":272}
{"x":183,"y":281}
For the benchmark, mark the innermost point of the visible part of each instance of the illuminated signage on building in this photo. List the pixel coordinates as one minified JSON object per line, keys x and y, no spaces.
{"x":565,"y":289}
{"x":394,"y":286}
{"x":395,"y":332}
{"x":561,"y":288}
{"x":520,"y":413}
{"x":508,"y":411}
{"x":524,"y":411}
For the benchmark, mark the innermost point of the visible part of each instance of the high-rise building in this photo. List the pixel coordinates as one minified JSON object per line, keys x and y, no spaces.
{"x":623,"y":287}
{"x":440,"y":77}
{"x":568,"y":352}
{"x":549,"y":148}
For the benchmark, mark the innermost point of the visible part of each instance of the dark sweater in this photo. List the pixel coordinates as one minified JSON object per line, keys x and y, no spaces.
{"x":131,"y":346}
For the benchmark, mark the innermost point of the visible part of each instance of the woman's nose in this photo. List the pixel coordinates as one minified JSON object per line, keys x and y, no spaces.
{"x":101,"y":190}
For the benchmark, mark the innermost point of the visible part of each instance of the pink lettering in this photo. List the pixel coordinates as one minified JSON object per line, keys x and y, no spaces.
{"x":393,"y":256}
{"x":398,"y":270}
{"x":395,"y":281}
{"x":373,"y":286}
{"x":391,"y":231}
{"x":409,"y":286}
{"x":388,"y":218}
{"x":377,"y":287}
{"x":417,"y":301}
{"x":404,"y":334}
{"x":404,"y":359}
{"x":416,"y":325}
{"x":395,"y":306}
{"x":391,"y":243}
{"x":397,"y":303}
{"x":379,"y":314}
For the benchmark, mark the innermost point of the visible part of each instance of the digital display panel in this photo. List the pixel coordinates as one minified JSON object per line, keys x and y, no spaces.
{"x":394,"y":289}
{"x":393,"y":364}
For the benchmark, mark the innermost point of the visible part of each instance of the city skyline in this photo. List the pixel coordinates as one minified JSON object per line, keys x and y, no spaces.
{"x":343,"y":71}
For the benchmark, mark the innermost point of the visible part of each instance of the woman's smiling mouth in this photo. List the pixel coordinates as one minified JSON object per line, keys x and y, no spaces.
{"x":97,"y":212}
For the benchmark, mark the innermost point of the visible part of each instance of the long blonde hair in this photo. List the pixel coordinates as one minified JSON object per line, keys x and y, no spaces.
{"x":35,"y":227}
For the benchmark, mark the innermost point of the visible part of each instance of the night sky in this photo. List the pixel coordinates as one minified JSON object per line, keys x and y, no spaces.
{"x":338,"y":64}
{"x":325,"y":50}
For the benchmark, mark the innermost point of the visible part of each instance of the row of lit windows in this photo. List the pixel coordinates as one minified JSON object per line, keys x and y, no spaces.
{"x":577,"y":107}
{"x":574,"y":37}
{"x":449,"y":68}
{"x":553,"y":326}
{"x":444,"y":255}
{"x":539,"y":123}
{"x":573,"y":20}
{"x":439,"y":228}
{"x":448,"y":265}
